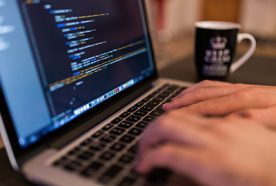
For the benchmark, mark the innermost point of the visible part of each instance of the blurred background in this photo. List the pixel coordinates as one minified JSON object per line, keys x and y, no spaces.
{"x":172,"y":24}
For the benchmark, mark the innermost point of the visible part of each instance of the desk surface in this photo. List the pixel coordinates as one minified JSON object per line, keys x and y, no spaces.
{"x":260,"y":70}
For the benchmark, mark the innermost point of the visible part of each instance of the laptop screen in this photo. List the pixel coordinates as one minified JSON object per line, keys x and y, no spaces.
{"x":61,"y":58}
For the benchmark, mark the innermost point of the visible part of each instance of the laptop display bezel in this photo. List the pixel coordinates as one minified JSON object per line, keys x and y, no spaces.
{"x":20,"y":153}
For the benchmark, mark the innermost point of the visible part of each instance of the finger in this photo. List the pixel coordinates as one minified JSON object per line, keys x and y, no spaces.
{"x":214,"y":85}
{"x":228,"y":104}
{"x":199,"y":95}
{"x":176,"y":128}
{"x":190,"y":162}
{"x":266,"y":116}
{"x":176,"y":157}
{"x":207,"y":83}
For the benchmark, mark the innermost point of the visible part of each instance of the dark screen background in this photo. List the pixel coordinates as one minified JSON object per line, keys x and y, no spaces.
{"x":122,"y":26}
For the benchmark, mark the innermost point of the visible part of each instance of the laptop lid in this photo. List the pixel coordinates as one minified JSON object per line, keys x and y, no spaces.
{"x":62,"y":60}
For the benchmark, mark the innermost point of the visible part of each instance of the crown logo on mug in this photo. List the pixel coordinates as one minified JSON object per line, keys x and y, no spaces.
{"x":216,"y":43}
{"x":219,"y":43}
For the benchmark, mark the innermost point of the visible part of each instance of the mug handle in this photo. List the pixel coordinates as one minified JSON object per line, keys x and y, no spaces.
{"x":243,"y":36}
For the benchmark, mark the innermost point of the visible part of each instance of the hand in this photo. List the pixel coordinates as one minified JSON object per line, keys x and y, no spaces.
{"x":220,"y":99}
{"x":266,"y":117}
{"x":220,"y":152}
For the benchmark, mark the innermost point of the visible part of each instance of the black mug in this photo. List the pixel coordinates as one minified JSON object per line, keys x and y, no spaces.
{"x":215,"y":49}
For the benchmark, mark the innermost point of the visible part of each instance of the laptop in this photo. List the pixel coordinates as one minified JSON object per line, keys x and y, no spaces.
{"x":79,"y":86}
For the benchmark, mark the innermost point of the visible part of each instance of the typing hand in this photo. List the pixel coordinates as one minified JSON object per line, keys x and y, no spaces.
{"x":266,"y":116}
{"x":220,"y":99}
{"x":230,"y":151}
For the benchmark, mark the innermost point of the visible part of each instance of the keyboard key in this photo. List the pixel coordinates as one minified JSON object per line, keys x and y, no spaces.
{"x":152,"y":95}
{"x":117,"y":131}
{"x":135,"y":131}
{"x":168,"y":91}
{"x":140,"y":113}
{"x":167,"y":100}
{"x":108,"y":127}
{"x":92,"y":169}
{"x":159,"y":89}
{"x":139,"y":104}
{"x":173,"y":88}
{"x":163,"y":96}
{"x":86,"y":142}
{"x":132,"y":109}
{"x":147,"y":108}
{"x":144,"y":111}
{"x":110,"y":174}
{"x":158,"y":99}
{"x":146,"y":99}
{"x":142,"y":125}
{"x":127,"y":139}
{"x":107,"y":156}
{"x":127,"y":181}
{"x":133,"y":118}
{"x":116,"y":120}
{"x":85,"y":156}
{"x":149,"y":119}
{"x":107,"y":138}
{"x":174,"y":95}
{"x":165,"y":93}
{"x":97,"y":146}
{"x":156,"y":113}
{"x":118,"y":147}
{"x":75,"y":151}
{"x":126,"y":158}
{"x":133,"y":149}
{"x":125,"y":114}
{"x":125,"y":124}
{"x":73,"y":166}
{"x":154,"y":103}
{"x":160,"y":108}
{"x":98,"y":134}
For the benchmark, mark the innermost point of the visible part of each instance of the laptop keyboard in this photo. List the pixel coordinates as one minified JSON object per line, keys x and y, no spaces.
{"x":108,"y":155}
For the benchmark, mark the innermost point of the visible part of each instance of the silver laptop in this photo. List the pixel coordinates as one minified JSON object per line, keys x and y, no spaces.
{"x":78,"y":87}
